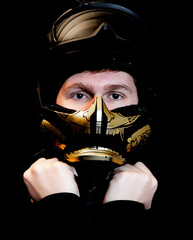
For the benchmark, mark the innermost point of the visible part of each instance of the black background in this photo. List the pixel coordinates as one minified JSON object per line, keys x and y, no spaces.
{"x":24,"y":27}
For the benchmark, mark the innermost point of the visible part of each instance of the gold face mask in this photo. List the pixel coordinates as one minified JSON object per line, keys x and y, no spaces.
{"x":98,"y":134}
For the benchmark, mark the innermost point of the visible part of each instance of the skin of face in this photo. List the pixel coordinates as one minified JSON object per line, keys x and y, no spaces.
{"x":79,"y":91}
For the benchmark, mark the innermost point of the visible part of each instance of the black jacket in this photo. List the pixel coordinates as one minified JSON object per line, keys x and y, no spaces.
{"x":86,"y":217}
{"x":64,"y":214}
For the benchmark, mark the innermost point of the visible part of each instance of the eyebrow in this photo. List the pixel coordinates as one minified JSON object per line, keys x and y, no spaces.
{"x":113,"y":87}
{"x":89,"y":88}
{"x":80,"y":86}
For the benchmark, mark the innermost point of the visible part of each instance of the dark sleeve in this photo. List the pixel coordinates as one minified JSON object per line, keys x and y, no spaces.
{"x":122,"y":219}
{"x":57,"y":215}
{"x":60,"y":205}
{"x":67,"y":202}
{"x":122,"y":208}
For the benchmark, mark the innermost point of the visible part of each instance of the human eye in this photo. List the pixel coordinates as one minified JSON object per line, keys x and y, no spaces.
{"x":115,"y":96}
{"x":78,"y":96}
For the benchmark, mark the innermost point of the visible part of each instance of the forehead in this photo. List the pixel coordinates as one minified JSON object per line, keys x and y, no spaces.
{"x":100,"y":78}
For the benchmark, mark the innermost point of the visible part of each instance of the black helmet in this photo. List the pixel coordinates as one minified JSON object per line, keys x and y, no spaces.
{"x":94,"y":35}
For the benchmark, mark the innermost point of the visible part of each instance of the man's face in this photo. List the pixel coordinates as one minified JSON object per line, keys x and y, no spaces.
{"x":115,"y":87}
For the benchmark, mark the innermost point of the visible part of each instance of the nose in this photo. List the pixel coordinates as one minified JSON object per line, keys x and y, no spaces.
{"x":99,"y":115}
{"x":96,"y":99}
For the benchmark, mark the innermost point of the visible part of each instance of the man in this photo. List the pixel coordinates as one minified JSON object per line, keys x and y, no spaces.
{"x":92,"y":111}
{"x":79,"y":92}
